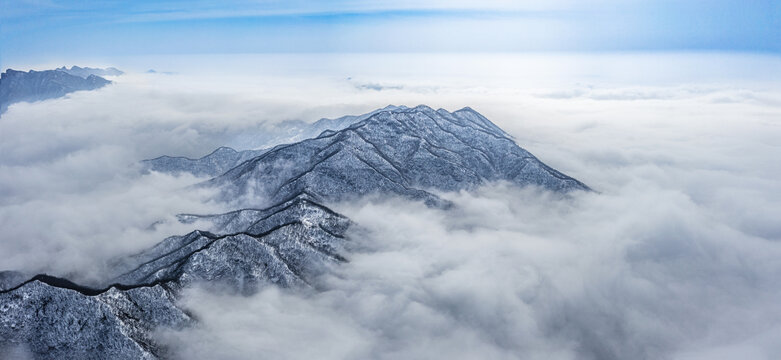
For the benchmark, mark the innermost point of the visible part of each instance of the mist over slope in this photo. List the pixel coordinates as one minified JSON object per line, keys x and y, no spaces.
{"x":673,"y":258}
{"x":286,"y":244}
{"x":617,"y":276}
{"x":253,"y":144}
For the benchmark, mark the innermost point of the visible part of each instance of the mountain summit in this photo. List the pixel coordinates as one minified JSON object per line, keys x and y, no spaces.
{"x":411,"y":152}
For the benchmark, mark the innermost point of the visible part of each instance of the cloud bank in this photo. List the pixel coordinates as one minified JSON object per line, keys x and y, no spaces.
{"x":643,"y":273}
{"x":674,"y":257}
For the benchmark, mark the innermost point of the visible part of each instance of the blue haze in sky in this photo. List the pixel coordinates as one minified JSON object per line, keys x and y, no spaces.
{"x":669,"y":109}
{"x":32,"y":31}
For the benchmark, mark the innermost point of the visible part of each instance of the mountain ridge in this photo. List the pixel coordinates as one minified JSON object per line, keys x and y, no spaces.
{"x":225,"y":157}
{"x":119,"y":320}
{"x":215,"y":163}
{"x":439,"y":150}
{"x":414,"y":153}
{"x":87,"y":71}
{"x":19,"y":86}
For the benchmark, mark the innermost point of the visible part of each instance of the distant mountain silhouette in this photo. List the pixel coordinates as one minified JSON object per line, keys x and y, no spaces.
{"x":16,"y":86}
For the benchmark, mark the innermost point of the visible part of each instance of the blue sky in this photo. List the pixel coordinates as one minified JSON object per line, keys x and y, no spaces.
{"x":34,"y":31}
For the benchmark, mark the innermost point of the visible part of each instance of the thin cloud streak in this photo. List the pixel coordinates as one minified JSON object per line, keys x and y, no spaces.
{"x":97,"y":30}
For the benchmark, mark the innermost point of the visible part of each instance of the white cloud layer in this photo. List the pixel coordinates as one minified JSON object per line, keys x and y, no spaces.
{"x":675,"y":257}
{"x":642,"y":273}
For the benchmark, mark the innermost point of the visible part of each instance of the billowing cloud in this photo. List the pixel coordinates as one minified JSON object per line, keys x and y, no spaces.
{"x":643,"y":273}
{"x":675,"y":256}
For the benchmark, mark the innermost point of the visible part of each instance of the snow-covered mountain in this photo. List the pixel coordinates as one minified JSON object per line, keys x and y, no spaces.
{"x":16,"y":86}
{"x":286,"y":241}
{"x":225,"y":158}
{"x":56,"y":319}
{"x":408,"y":151}
{"x":213,"y":164}
{"x":284,"y":245}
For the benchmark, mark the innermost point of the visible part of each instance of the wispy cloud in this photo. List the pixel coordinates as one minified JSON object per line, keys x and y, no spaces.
{"x":100,"y":29}
{"x":183,"y":10}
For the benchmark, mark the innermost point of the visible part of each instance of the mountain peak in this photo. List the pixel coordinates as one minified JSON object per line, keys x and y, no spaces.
{"x":412,"y":152}
{"x":85,"y":72}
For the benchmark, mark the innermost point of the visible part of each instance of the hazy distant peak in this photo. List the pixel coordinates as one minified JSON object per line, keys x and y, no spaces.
{"x":224,"y":149}
{"x":11,"y":72}
{"x":85,"y":72}
{"x":16,"y":86}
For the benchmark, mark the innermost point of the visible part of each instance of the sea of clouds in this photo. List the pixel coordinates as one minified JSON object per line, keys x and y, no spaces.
{"x":674,"y":255}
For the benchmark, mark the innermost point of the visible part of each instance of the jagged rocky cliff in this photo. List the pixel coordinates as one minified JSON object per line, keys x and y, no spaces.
{"x":286,"y":239}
